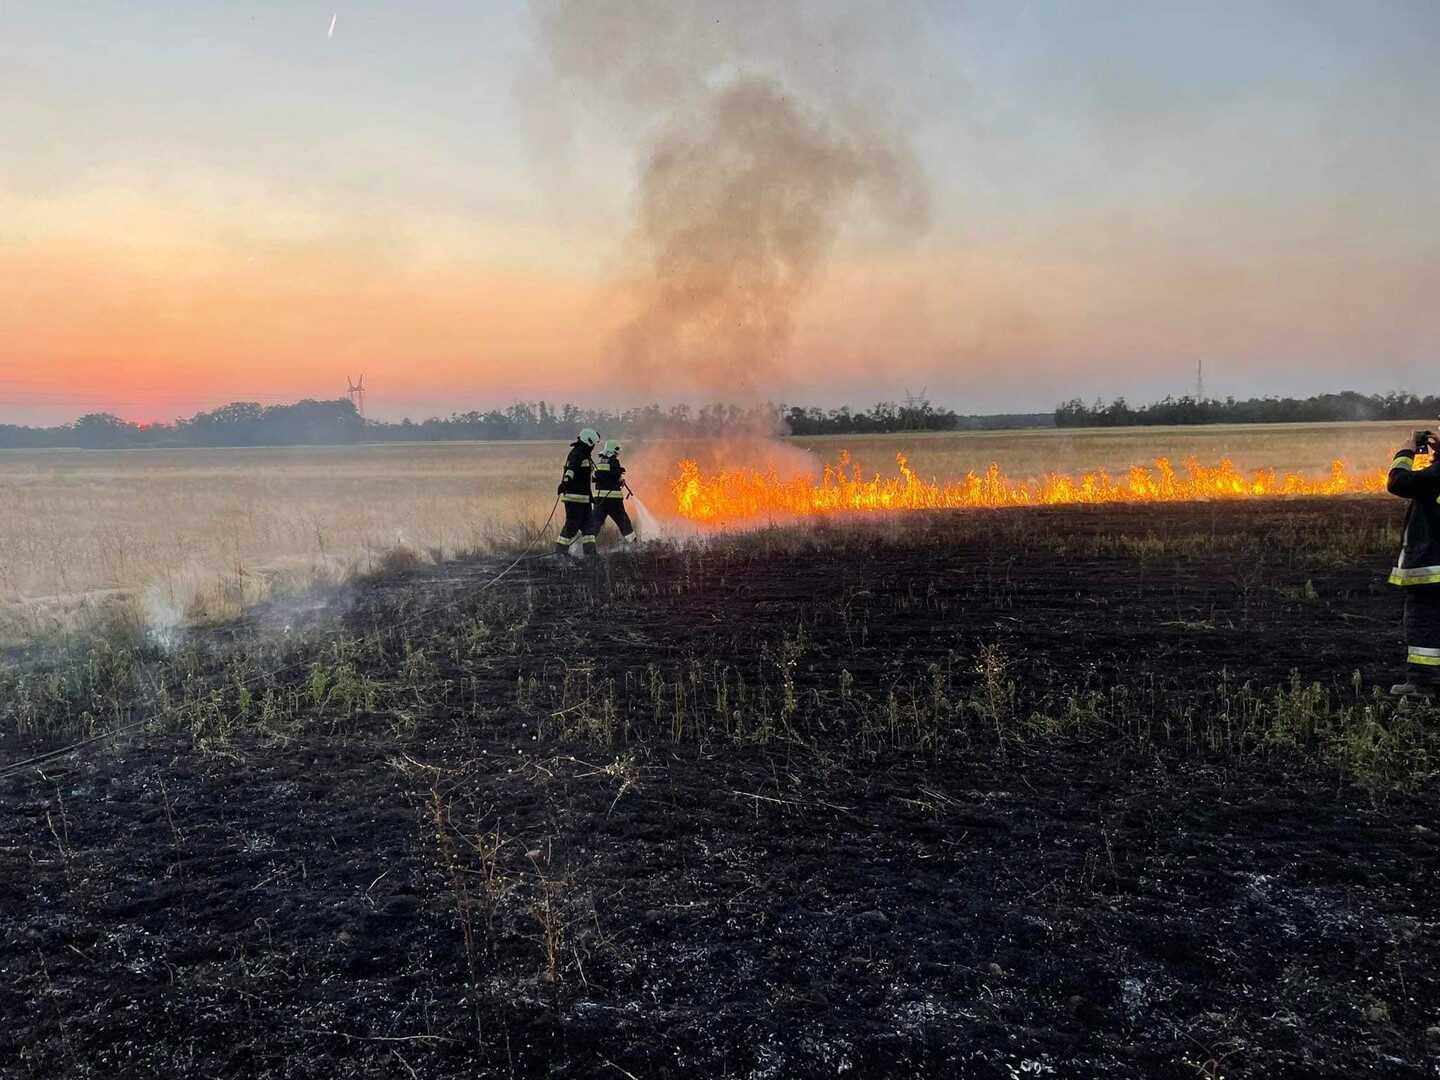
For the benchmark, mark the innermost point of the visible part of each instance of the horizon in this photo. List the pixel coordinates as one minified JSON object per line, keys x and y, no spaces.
{"x":856,"y":409}
{"x":227,"y":205}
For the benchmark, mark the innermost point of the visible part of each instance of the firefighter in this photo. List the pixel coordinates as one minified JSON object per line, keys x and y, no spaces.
{"x":1418,"y":567}
{"x":610,"y":491}
{"x":575,"y":494}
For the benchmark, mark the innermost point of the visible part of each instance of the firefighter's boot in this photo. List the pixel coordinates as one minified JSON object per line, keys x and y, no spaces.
{"x":1419,"y":683}
{"x":562,"y":556}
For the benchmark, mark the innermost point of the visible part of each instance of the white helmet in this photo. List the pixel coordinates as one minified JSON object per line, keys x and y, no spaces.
{"x":589,"y":436}
{"x":612,"y":447}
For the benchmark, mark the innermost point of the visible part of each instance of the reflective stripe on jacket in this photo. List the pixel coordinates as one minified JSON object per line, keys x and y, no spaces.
{"x":1419,"y":562}
{"x":575,"y":480}
{"x":609,"y":478}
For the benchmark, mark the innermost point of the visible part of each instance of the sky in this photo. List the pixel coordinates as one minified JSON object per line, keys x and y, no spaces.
{"x":202,"y":203}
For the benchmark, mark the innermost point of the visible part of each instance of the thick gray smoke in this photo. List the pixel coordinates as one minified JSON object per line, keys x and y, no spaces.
{"x":735,"y":220}
{"x":756,"y":146}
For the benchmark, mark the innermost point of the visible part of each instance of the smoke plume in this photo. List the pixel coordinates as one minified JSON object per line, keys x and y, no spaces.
{"x":735,"y":220}
{"x":756,"y":145}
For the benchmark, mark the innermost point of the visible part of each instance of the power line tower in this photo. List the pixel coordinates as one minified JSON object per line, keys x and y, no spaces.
{"x":357,"y":394}
{"x":914,"y":405}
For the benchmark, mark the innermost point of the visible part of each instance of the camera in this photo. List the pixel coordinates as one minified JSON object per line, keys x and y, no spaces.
{"x":1424,"y":440}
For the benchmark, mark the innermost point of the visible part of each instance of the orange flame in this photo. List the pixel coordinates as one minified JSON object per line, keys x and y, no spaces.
{"x":737,"y":495}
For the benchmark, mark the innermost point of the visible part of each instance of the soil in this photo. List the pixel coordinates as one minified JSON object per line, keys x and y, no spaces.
{"x":1078,"y":906}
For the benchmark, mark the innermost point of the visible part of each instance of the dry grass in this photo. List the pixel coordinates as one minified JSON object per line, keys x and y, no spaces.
{"x":170,"y":535}
{"x":1286,"y":447}
{"x":165,"y":536}
{"x":1026,"y":455}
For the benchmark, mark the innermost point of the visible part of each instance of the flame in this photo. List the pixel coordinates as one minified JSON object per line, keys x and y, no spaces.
{"x":737,"y":495}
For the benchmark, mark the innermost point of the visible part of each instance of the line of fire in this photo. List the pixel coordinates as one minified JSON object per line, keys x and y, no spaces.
{"x":735,"y":496}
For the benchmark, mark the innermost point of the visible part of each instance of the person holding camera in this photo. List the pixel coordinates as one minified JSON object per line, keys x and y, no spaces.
{"x":1418,"y":568}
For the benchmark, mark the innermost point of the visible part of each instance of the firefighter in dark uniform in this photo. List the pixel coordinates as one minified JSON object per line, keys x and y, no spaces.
{"x":610,"y":489}
{"x":1418,"y":568}
{"x":575,"y":495}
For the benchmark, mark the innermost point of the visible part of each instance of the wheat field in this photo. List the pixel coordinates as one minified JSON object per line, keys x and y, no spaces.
{"x":1285,"y":447}
{"x":198,"y":534}
{"x":171,"y":536}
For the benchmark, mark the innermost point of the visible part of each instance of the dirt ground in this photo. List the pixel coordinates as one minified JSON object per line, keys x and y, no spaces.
{"x":534,"y":855}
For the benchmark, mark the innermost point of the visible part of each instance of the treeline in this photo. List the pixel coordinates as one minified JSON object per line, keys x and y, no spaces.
{"x":242,"y":423}
{"x":1321,"y":408}
{"x":539,"y":420}
{"x":888,"y":417}
{"x":315,"y":423}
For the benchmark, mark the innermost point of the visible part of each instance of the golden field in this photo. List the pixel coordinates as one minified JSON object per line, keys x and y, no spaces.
{"x":182,"y":534}
{"x":174,"y":535}
{"x":1285,"y":447}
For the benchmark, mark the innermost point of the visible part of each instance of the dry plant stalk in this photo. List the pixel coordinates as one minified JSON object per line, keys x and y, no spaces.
{"x":992,"y":666}
{"x":546,"y":909}
{"x":177,"y":842}
{"x":459,"y":892}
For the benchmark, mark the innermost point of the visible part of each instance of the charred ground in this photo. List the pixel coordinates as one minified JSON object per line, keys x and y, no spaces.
{"x":1053,"y":792}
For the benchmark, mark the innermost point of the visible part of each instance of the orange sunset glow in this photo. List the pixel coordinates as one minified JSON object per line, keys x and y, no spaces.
{"x":255,"y":206}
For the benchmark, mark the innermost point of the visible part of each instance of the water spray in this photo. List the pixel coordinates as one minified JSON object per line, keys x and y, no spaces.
{"x":652,"y":528}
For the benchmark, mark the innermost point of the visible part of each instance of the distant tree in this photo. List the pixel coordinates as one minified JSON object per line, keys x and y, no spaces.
{"x":105,"y":431}
{"x":236,"y":424}
{"x":1321,"y":408}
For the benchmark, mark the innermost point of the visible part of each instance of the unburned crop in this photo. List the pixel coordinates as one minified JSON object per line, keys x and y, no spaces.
{"x":160,"y":540}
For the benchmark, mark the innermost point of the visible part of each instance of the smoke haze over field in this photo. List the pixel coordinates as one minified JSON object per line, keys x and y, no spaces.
{"x":749,"y":163}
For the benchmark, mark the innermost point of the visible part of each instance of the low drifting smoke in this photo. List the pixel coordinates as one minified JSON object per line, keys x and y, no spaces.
{"x":165,"y":611}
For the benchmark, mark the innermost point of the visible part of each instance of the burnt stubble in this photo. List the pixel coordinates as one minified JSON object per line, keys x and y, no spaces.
{"x":1072,"y":791}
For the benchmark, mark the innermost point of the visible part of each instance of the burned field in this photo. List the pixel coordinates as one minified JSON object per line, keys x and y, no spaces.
{"x":1039,"y":792}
